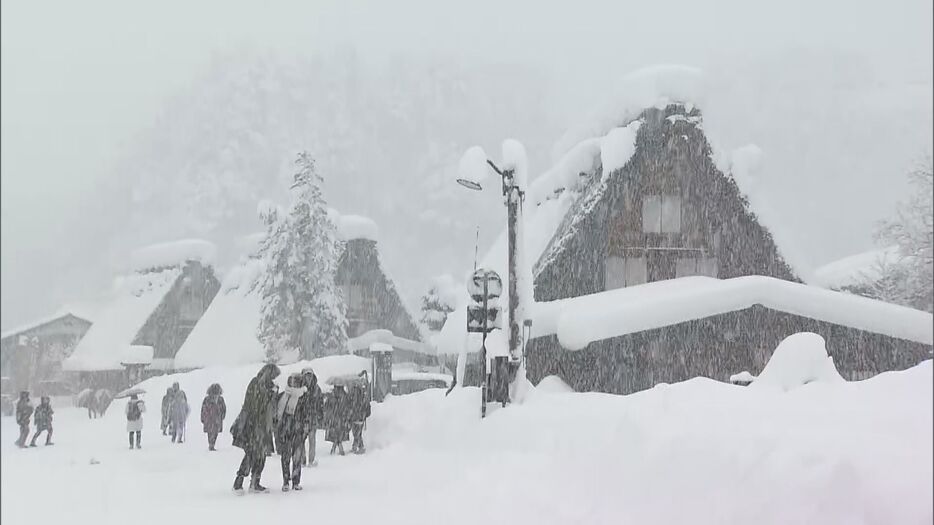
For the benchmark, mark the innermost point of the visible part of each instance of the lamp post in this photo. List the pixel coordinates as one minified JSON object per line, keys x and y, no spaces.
{"x":513,"y":194}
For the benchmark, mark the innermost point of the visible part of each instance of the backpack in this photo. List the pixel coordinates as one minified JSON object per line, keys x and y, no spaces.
{"x":133,"y":412}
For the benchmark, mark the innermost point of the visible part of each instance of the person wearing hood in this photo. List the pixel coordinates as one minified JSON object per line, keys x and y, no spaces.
{"x":213,"y":412}
{"x":290,"y":432}
{"x":251,"y":428}
{"x":166,"y":409}
{"x":24,"y":411}
{"x":312,"y":414}
{"x":179,"y":415}
{"x":43,"y":420}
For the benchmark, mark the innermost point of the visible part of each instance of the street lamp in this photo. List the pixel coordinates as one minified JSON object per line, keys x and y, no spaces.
{"x":473,"y":172}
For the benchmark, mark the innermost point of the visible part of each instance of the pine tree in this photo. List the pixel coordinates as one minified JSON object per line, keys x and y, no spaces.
{"x":302,"y":310}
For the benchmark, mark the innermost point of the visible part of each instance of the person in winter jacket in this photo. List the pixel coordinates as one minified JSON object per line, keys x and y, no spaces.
{"x":252,"y":427}
{"x":359,"y":412}
{"x":311,"y":406}
{"x":290,"y":432}
{"x":166,"y":409}
{"x":178,"y":415}
{"x":23,"y":412}
{"x":134,"y":419}
{"x":43,"y":420}
{"x":213,"y":412}
{"x":337,"y":417}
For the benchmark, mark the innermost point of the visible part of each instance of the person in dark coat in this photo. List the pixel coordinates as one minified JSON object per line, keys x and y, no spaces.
{"x":252,"y":427}
{"x":359,"y":412}
{"x":213,"y":412}
{"x":312,"y":411}
{"x":290,"y":433}
{"x":166,"y":409}
{"x":178,"y":415}
{"x":43,"y":420}
{"x":337,"y":417}
{"x":23,"y":413}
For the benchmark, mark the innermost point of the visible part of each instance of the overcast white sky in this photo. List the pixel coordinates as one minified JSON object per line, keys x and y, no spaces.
{"x":79,"y":78}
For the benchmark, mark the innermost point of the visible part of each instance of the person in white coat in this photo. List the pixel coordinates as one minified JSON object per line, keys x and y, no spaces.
{"x":134,"y":419}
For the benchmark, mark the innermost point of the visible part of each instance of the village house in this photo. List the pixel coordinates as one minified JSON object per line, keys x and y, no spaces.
{"x":151,"y":312}
{"x":227,"y":333}
{"x":631,"y":263}
{"x":31,"y":356}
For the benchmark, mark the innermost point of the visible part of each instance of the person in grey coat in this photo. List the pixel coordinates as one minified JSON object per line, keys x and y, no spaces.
{"x":179,"y":416}
{"x":253,"y":427}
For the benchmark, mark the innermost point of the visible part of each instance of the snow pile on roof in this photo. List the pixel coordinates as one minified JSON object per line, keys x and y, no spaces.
{"x":798,"y":360}
{"x":654,"y":86}
{"x":855,"y":268}
{"x":174,"y":253}
{"x":137,"y":355}
{"x":134,"y":299}
{"x":743,"y":377}
{"x":351,"y":227}
{"x":380,"y":347}
{"x":381,"y":335}
{"x":226,"y":333}
{"x":578,"y":321}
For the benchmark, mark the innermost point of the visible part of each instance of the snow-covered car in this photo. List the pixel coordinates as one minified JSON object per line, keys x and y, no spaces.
{"x":411,"y":382}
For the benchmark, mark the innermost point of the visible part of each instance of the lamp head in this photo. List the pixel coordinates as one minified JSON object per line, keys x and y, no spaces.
{"x":470,"y":184}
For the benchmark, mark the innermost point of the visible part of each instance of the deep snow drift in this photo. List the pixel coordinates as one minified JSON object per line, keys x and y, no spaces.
{"x":692,"y":452}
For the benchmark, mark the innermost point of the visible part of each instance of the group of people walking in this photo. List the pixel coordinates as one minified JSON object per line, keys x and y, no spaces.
{"x":287,"y":422}
{"x":41,"y":416}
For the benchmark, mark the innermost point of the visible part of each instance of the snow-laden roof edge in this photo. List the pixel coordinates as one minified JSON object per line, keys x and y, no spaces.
{"x":38,"y":323}
{"x":580,"y":321}
{"x":854,"y":269}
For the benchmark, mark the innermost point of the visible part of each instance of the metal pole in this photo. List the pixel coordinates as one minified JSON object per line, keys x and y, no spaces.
{"x":512,"y":220}
{"x":483,"y":385}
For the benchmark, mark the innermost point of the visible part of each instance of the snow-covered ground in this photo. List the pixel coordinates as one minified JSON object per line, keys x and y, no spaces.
{"x":693,"y":452}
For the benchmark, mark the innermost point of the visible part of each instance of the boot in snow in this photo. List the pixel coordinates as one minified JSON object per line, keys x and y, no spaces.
{"x":256,"y":487}
{"x":285,"y":487}
{"x":238,"y":485}
{"x":296,"y":486}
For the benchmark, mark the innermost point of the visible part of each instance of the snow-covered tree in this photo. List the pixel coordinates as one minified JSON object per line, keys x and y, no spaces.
{"x":909,"y":280}
{"x":440,"y":301}
{"x":302,"y":309}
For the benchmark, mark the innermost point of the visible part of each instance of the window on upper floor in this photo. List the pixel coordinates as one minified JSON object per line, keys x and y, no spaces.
{"x":661,"y":214}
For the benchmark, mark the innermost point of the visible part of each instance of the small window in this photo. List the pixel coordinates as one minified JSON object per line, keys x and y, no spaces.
{"x":707,"y":266}
{"x":671,"y":214}
{"x":661,"y":214}
{"x":688,"y":266}
{"x":652,"y":214}
{"x":624,"y":271}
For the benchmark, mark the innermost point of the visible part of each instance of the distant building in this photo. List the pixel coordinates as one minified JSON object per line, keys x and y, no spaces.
{"x":31,"y":356}
{"x":156,"y":306}
{"x":227,"y":333}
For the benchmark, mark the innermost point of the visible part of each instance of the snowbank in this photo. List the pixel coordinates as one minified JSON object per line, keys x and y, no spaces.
{"x":174,"y":253}
{"x":553,"y":385}
{"x":133,"y":300}
{"x":798,"y":360}
{"x":845,"y":453}
{"x":578,"y":321}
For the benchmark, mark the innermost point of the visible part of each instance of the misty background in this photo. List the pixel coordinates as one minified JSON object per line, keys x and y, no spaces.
{"x":125,"y":125}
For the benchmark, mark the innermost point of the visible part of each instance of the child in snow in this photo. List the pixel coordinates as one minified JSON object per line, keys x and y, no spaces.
{"x":43,"y":421}
{"x":134,"y":419}
{"x":213,"y":412}
{"x":23,"y":412}
{"x":290,"y":432}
